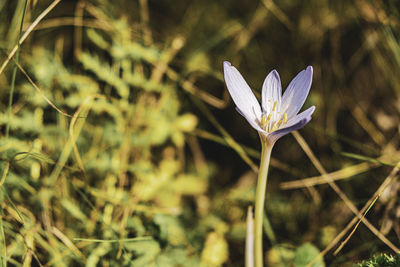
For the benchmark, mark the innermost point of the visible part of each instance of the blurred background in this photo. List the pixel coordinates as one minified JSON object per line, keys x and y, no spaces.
{"x":122,"y":146}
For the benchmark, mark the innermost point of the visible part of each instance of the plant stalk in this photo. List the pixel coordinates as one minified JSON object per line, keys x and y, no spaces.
{"x":260,"y":199}
{"x":14,"y":73}
{"x":249,"y":252}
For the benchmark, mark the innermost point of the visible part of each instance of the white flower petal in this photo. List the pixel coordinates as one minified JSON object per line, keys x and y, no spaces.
{"x":271,"y":92}
{"x":294,"y":96}
{"x":293,"y":124}
{"x":241,"y":93}
{"x":274,"y":136}
{"x":252,"y":123}
{"x":305,"y":114}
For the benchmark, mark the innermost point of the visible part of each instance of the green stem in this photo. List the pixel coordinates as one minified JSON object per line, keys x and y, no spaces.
{"x":14,"y":74}
{"x":3,"y":237}
{"x":260,"y":199}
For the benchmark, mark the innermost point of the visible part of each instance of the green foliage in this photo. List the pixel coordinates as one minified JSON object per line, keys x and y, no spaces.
{"x":118,"y":171}
{"x":383,"y":260}
{"x":304,"y":255}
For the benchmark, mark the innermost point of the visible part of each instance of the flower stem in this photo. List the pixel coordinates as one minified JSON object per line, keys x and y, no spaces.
{"x":249,"y":253}
{"x":260,"y":199}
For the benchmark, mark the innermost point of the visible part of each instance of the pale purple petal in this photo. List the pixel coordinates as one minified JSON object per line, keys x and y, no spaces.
{"x":307,"y":113}
{"x":274,"y":136}
{"x":271,"y":91}
{"x":241,"y":93}
{"x":297,"y":91}
{"x":252,"y":123}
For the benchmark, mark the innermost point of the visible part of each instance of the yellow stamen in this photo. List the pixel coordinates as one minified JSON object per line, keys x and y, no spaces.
{"x":263,"y":121}
{"x":274,"y":107}
{"x":285,"y":119}
{"x":276,"y":125}
{"x":269,"y":117}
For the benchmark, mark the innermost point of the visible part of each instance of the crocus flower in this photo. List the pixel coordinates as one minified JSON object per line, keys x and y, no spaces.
{"x":277,"y":115}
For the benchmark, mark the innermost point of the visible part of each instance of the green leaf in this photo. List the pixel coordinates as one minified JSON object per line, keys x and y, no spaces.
{"x":383,"y":260}
{"x":306,"y":254}
{"x":145,"y":251}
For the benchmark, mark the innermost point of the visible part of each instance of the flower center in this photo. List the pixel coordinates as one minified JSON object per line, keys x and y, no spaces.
{"x":274,"y":120}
